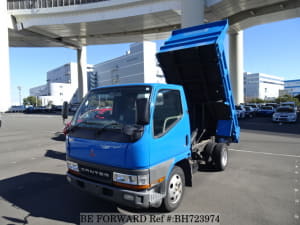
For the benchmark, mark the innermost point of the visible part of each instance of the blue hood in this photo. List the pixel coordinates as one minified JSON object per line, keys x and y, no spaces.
{"x":95,"y":151}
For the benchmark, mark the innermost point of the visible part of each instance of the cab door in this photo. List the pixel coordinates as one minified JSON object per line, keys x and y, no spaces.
{"x":170,"y":128}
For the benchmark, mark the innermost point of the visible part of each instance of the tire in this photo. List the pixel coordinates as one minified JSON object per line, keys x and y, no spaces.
{"x":208,"y":150}
{"x":175,"y":190}
{"x":220,"y":156}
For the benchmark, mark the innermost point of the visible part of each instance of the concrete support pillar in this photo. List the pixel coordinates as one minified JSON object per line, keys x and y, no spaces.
{"x":82,"y":74}
{"x":192,"y":12}
{"x":5,"y":98}
{"x":236,"y":58}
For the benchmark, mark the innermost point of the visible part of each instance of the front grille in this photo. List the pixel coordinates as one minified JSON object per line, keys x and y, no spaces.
{"x":283,"y":119}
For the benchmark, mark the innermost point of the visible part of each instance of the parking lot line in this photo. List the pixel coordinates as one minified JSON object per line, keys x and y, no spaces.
{"x":264,"y":153}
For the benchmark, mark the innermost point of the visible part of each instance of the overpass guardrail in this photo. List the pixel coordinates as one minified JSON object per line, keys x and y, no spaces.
{"x":35,"y":4}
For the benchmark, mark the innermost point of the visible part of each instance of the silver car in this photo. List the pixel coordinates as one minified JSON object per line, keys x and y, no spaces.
{"x":285,"y":114}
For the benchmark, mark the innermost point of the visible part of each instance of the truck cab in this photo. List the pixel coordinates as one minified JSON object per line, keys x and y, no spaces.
{"x":139,"y":144}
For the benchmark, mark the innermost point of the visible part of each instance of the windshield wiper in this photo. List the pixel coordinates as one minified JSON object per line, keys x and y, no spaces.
{"x":108,"y":125}
{"x":77,"y":125}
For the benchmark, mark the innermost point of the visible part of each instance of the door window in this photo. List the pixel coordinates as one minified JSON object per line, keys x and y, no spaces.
{"x":167,"y":112}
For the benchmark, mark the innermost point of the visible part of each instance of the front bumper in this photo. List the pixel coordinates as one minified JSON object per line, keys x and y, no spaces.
{"x":138,"y":199}
{"x":284,"y":119}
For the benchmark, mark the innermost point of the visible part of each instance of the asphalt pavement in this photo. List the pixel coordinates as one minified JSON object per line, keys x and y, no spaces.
{"x":261,"y":184}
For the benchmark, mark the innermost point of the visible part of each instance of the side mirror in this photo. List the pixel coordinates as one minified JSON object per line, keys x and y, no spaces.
{"x":65,"y":110}
{"x":142,"y":106}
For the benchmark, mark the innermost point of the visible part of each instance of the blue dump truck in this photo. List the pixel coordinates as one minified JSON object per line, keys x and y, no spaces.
{"x":139,"y":144}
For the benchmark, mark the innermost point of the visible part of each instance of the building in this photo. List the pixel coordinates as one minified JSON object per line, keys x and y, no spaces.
{"x":138,"y":65}
{"x":40,"y":90}
{"x":292,"y":87}
{"x":62,"y":84}
{"x":263,"y":86}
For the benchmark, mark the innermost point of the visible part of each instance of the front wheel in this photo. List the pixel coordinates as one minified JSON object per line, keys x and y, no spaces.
{"x":175,"y":189}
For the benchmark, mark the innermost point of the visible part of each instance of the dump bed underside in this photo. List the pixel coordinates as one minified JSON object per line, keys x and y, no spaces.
{"x":201,"y":70}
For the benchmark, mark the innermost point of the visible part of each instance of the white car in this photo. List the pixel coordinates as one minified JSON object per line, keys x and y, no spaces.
{"x":253,"y":106}
{"x":285,"y":114}
{"x":289,"y":104}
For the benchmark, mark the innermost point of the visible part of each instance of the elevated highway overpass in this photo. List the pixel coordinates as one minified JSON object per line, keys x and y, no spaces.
{"x":78,"y":23}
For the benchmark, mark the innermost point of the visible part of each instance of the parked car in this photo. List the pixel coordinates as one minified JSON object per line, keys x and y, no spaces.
{"x":289,"y":104}
{"x":29,"y":109}
{"x":56,"y":108}
{"x":250,"y":113}
{"x":16,"y":108}
{"x":74,"y":107}
{"x":240,"y":111}
{"x":254,"y":106}
{"x":285,"y":114}
{"x":265,"y":111}
{"x":273,"y":104}
{"x":0,"y":120}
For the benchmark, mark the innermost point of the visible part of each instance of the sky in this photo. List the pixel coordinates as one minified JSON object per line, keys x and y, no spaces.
{"x":272,"y":48}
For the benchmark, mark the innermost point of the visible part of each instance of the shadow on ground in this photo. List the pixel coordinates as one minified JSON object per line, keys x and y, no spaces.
{"x":55,"y":155}
{"x":49,"y":196}
{"x":59,"y":136}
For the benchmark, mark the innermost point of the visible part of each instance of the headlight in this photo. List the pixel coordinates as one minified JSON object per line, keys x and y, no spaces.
{"x":125,"y":178}
{"x":131,"y":181}
{"x":72,"y":166}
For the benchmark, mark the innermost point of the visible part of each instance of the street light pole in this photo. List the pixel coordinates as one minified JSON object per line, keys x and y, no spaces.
{"x":20,"y":96}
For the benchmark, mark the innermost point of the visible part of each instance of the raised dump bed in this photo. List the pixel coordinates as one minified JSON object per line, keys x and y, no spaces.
{"x":194,"y":58}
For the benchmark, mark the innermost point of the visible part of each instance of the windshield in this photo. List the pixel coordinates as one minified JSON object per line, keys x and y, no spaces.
{"x":267,"y":108}
{"x":287,"y":104}
{"x":110,"y":107}
{"x":286,"y":110}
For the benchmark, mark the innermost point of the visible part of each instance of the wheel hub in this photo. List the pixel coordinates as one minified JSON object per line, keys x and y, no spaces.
{"x":224,"y":158}
{"x":175,"y":189}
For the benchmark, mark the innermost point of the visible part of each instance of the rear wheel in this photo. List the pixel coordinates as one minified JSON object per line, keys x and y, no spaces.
{"x":208,"y":151}
{"x":175,"y":189}
{"x":220,"y":156}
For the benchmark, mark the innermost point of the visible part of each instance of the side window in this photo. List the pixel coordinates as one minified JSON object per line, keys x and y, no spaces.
{"x":168,"y":110}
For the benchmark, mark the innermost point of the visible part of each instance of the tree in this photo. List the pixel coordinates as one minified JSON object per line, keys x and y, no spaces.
{"x":50,"y":103}
{"x":32,"y":100}
{"x":287,"y":98}
{"x":255,"y":100}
